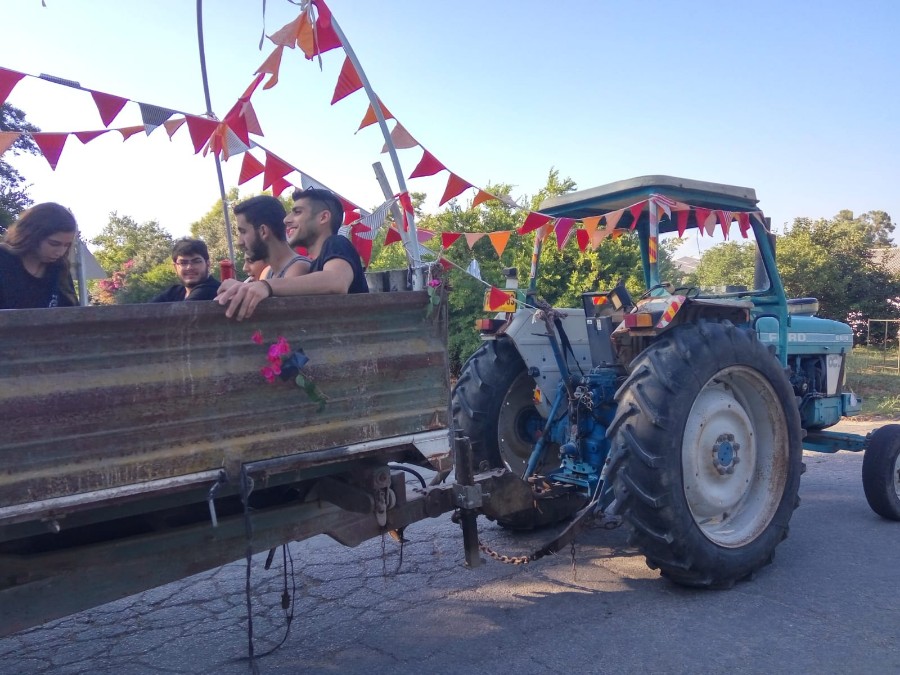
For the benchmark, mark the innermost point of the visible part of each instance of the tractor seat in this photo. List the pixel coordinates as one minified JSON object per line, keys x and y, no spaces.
{"x":802,"y":306}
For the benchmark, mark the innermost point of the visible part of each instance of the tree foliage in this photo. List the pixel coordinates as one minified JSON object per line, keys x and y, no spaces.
{"x":13,"y":196}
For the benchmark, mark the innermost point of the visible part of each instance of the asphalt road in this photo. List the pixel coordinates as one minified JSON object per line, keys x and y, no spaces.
{"x":828,"y":604}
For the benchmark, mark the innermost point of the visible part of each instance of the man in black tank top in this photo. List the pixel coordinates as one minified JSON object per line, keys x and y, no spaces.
{"x":336,"y":268}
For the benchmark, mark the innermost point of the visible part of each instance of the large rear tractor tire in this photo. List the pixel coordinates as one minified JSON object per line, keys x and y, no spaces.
{"x":493,"y":404}
{"x":706,"y":454}
{"x":881,"y":471}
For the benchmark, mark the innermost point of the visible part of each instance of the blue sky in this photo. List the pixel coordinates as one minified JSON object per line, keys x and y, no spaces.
{"x":798,"y":100}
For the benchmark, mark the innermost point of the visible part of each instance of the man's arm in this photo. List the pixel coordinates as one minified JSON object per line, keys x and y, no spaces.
{"x":242,"y":299}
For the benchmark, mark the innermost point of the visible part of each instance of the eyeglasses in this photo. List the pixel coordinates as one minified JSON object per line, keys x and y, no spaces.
{"x":193,"y":262}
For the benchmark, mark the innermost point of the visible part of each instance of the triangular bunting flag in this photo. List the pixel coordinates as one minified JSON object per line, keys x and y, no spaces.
{"x":363,"y":246}
{"x":287,"y":35}
{"x":424,"y":235}
{"x":392,"y":236}
{"x":8,"y":80}
{"x":200,"y":129}
{"x":274,"y":169}
{"x":612,"y":220}
{"x":472,"y":238}
{"x":724,"y":218}
{"x":583,"y":238}
{"x":248,"y":112}
{"x":635,"y":212}
{"x":449,"y":238}
{"x":496,"y":298}
{"x":326,"y":37}
{"x":591,"y":224}
{"x":347,"y":83}
{"x":744,"y":223}
{"x":279,"y":185}
{"x":427,"y":166}
{"x":681,"y":218}
{"x":128,"y":132}
{"x":88,"y":136}
{"x":250,"y":168}
{"x":172,"y":126}
{"x":701,"y":215}
{"x":7,"y":138}
{"x":401,"y":138}
{"x":499,"y":240}
{"x":153,"y":116}
{"x":533,"y":221}
{"x":108,"y":106}
{"x":51,"y":145}
{"x":370,"y":118}
{"x":481,"y":198}
{"x":446,"y":264}
{"x":271,"y":66}
{"x":563,"y":231}
{"x":455,"y":187}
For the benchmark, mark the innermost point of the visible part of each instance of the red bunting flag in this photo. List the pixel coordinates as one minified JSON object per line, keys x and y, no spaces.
{"x":7,"y":138}
{"x":681,"y":217}
{"x":51,"y":145}
{"x":200,"y":129}
{"x":347,"y":83}
{"x":427,"y":166}
{"x":635,"y":212}
{"x":392,"y":236}
{"x":482,"y":197}
{"x":424,"y":235}
{"x":279,"y":185}
{"x":724,"y":218}
{"x":350,"y":210}
{"x":446,"y":264}
{"x":583,"y":238}
{"x":326,"y":37}
{"x":369,"y":117}
{"x":533,"y":221}
{"x":8,"y":81}
{"x":363,"y":246}
{"x":108,"y":106}
{"x":449,"y":238}
{"x":455,"y":187}
{"x":271,"y":66}
{"x":496,"y":298}
{"x":744,"y":223}
{"x":563,"y":230}
{"x":701,"y":215}
{"x":274,"y":169}
{"x":250,"y":168}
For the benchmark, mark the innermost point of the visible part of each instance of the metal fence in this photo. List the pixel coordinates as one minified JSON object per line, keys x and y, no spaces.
{"x":884,"y":344}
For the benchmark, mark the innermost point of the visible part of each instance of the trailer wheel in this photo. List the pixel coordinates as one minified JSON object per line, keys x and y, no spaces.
{"x":493,"y":405}
{"x":706,"y":454}
{"x":881,"y":471}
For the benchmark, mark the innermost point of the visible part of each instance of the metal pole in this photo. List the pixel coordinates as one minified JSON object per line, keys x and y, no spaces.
{"x":386,"y":189}
{"x":209,"y":113}
{"x":79,"y":267}
{"x":412,"y":248}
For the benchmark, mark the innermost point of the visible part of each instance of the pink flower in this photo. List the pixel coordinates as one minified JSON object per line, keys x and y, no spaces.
{"x":283,"y":347}
{"x":257,"y":337}
{"x":274,"y":353}
{"x":268,"y":373}
{"x":434,"y":283}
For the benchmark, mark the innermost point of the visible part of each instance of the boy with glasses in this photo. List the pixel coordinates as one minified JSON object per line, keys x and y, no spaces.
{"x":191,"y":259}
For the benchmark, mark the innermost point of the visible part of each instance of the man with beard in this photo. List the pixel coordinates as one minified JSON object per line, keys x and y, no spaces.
{"x":261,"y":235}
{"x":191,"y":259}
{"x":336,"y":268}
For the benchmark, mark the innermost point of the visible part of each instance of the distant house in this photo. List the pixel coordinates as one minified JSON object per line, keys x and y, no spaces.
{"x":687,"y":264}
{"x":889,"y":257}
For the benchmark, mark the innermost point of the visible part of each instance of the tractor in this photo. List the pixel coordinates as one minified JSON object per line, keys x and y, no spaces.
{"x":682,"y":413}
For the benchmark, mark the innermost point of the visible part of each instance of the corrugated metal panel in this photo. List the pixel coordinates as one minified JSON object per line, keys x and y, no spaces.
{"x":100,"y":397}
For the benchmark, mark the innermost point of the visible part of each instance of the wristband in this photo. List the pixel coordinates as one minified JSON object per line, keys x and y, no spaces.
{"x":269,"y":287}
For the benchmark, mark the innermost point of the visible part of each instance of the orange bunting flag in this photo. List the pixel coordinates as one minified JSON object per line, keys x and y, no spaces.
{"x":8,"y":80}
{"x":681,"y":218}
{"x":612,"y":220}
{"x":287,"y":35}
{"x":347,"y":83}
{"x":743,"y":223}
{"x":499,"y":240}
{"x":635,"y":212}
{"x":279,"y":185}
{"x":128,"y":132}
{"x":447,"y":238}
{"x":583,"y":238}
{"x":563,"y":229}
{"x":496,"y":298}
{"x":250,"y":168}
{"x":369,"y":117}
{"x":51,"y":145}
{"x":392,"y":236}
{"x":591,"y":224}
{"x":427,"y":166}
{"x":171,"y":126}
{"x":402,"y":139}
{"x":108,"y":106}
{"x":473,"y":237}
{"x":724,"y":218}
{"x":482,"y":197}
{"x":306,"y":36}
{"x":271,"y":66}
{"x":200,"y":129}
{"x":274,"y":169}
{"x":7,"y":138}
{"x":455,"y":187}
{"x":533,"y":221}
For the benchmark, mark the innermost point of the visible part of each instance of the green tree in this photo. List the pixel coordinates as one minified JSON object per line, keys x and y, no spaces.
{"x":211,"y":229}
{"x":727,"y":264}
{"x":13,"y":196}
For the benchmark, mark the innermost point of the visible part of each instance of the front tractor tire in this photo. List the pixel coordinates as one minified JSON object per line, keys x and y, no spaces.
{"x":881,"y":471}
{"x":706,"y":454}
{"x":493,"y":404}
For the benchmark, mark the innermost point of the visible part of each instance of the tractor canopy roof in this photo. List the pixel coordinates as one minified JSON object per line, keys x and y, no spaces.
{"x":599,"y":201}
